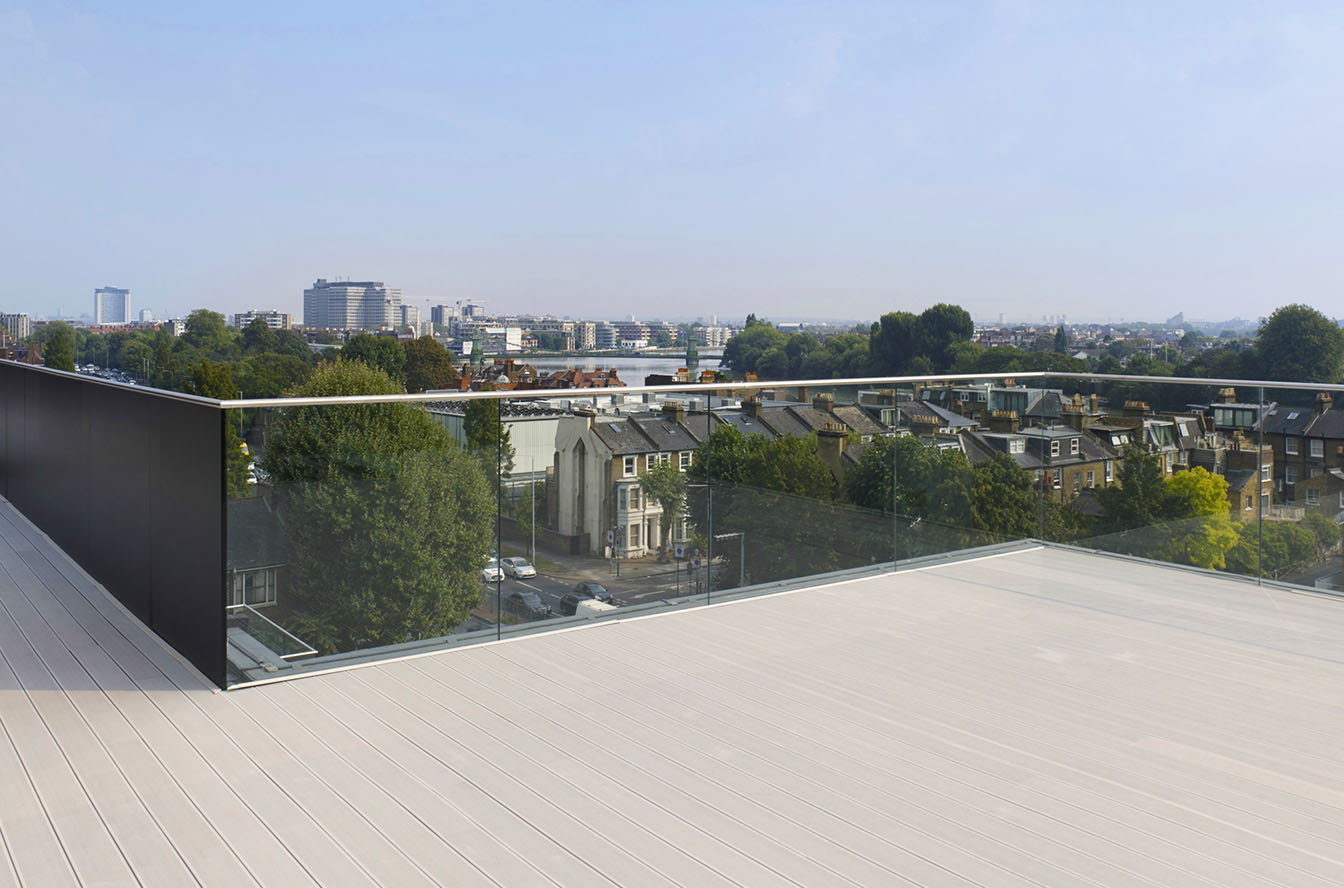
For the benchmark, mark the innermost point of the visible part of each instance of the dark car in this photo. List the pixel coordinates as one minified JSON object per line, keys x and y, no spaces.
{"x":593,"y":590}
{"x":526,"y":606}
{"x":569,"y":602}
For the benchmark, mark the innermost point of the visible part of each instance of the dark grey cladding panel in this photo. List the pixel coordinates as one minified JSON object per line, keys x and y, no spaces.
{"x":130,"y":485}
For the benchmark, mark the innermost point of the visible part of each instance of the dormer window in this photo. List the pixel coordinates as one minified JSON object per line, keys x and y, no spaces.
{"x":1017,"y":445}
{"x":1054,"y":447}
{"x":1073,"y":446}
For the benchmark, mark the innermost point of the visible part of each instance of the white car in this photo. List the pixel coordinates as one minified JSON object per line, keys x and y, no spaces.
{"x":491,"y":573}
{"x":518,"y":568}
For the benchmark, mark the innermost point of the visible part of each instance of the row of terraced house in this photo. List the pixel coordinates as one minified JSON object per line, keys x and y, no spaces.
{"x":1070,"y":445}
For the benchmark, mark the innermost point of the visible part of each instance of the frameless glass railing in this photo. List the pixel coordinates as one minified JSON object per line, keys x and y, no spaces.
{"x":362,"y":528}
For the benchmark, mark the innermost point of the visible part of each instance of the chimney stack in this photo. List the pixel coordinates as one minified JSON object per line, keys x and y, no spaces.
{"x":752,"y":407}
{"x":1323,"y":402}
{"x":1227,"y":396}
{"x":831,"y":441}
{"x":824,"y":402}
{"x":674,"y":410}
{"x":1003,"y":421}
{"x":1136,"y":408}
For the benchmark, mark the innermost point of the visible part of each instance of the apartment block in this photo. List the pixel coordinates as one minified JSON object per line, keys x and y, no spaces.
{"x":276,"y":320}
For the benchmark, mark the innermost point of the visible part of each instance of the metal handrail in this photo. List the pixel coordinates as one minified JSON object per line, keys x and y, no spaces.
{"x":692,"y":387}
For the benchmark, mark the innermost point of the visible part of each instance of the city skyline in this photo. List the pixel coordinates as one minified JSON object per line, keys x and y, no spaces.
{"x":827,"y":159}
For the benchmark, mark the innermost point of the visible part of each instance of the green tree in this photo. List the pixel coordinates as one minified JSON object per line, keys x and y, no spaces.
{"x":207,"y":332}
{"x":1139,"y":499}
{"x":289,"y":342}
{"x":940,"y":327}
{"x":1205,"y":533}
{"x":549,"y":341}
{"x":379,"y":352}
{"x":211,"y":379}
{"x":779,"y":494}
{"x":893,"y":340}
{"x":390,"y":521}
{"x":742,"y":352}
{"x":665,"y":484}
{"x":258,"y":338}
{"x":270,"y":375}
{"x":1299,"y":344}
{"x":487,"y":437}
{"x":1061,"y":343}
{"x":58,"y":349}
{"x":428,"y":365}
{"x":773,"y":364}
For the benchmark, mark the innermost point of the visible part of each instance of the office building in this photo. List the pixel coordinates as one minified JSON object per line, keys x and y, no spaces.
{"x":146,"y":315}
{"x":276,"y":320}
{"x":351,"y":305}
{"x":442,"y":315}
{"x":111,"y":305}
{"x":409,"y":316}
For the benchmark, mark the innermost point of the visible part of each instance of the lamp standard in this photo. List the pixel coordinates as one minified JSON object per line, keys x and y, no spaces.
{"x":741,"y":554}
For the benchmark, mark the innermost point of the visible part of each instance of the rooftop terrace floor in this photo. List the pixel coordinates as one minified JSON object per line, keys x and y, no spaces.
{"x":1046,"y":717}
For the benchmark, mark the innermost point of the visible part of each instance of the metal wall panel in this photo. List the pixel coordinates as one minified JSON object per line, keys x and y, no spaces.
{"x":131,"y":485}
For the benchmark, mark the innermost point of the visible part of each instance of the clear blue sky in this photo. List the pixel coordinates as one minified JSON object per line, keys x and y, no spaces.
{"x":659,"y":159}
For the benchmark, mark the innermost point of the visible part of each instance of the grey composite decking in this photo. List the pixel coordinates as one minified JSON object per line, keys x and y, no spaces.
{"x":1046,"y":717}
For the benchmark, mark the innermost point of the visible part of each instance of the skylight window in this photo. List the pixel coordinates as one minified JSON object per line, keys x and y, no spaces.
{"x":1293,"y":415}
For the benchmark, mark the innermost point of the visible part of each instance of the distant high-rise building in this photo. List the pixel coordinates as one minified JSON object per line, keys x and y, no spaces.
{"x":351,"y":305}
{"x":146,"y":315}
{"x":442,"y":315}
{"x":409,"y":316}
{"x":111,"y":305}
{"x":276,"y":320}
{"x":16,"y":326}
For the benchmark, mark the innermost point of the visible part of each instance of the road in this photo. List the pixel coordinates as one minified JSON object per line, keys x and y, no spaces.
{"x":624,"y":592}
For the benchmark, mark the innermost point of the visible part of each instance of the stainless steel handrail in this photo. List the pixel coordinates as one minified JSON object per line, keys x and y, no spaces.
{"x":706,"y":387}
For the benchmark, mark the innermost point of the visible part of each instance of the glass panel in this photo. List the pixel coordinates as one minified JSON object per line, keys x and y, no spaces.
{"x":358,"y":530}
{"x":1189,"y":475}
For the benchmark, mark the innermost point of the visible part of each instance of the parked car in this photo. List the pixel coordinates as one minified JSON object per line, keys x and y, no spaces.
{"x":492,"y":572}
{"x":526,"y":605}
{"x":593,"y":590}
{"x":569,"y":602}
{"x":517,"y":567}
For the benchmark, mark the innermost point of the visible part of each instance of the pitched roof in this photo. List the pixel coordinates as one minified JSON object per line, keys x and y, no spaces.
{"x":623,"y":437}
{"x":857,"y":419}
{"x":665,"y":434}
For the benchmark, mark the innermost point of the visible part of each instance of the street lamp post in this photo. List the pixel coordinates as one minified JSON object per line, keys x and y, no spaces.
{"x":741,"y":554}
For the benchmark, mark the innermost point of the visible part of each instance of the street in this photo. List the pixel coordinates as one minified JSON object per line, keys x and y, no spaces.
{"x":625,"y":591}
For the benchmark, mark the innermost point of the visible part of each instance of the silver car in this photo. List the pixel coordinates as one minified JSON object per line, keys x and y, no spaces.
{"x":517,"y":567}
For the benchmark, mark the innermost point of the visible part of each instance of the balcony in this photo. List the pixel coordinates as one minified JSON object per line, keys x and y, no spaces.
{"x":938,"y":704}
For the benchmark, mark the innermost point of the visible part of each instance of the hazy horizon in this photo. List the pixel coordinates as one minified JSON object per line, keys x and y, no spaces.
{"x":600,"y":160}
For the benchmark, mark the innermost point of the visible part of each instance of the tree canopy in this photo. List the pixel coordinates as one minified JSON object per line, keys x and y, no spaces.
{"x":390,"y":521}
{"x":1299,"y":344}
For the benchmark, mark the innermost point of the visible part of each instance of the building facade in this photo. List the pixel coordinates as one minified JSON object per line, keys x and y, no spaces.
{"x":276,"y":320}
{"x":17,"y":327}
{"x":111,"y":305}
{"x":351,"y":305}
